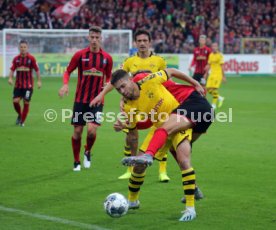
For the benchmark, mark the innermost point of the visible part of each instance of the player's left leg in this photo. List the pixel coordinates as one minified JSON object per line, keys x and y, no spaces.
{"x":90,"y":140}
{"x":136,"y":180}
{"x":26,"y":99}
{"x":93,"y":120}
{"x":127,"y":153}
{"x":183,"y":152}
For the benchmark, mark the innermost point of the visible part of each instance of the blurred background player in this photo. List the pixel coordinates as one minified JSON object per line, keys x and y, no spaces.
{"x":23,"y":64}
{"x":216,"y":76}
{"x":94,"y":70}
{"x":200,"y":59}
{"x":144,"y":60}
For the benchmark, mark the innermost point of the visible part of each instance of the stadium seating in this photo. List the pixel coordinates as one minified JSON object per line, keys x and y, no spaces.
{"x":175,"y":25}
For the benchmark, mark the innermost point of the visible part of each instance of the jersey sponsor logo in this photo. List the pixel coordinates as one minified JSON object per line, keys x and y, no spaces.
{"x":17,"y":61}
{"x":22,"y":68}
{"x":29,"y":61}
{"x":201,"y":57}
{"x":92,"y":72}
{"x":85,"y":59}
{"x":104,"y":61}
{"x":157,"y":106}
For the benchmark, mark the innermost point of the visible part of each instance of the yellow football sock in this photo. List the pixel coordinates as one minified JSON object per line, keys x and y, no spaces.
{"x":163,"y":165}
{"x":188,"y":182}
{"x":215,"y":94}
{"x":127,"y":152}
{"x":135,"y":182}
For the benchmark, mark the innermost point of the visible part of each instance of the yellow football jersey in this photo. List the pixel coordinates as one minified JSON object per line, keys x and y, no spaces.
{"x":153,"y":63}
{"x":215,"y":61}
{"x":154,"y":101}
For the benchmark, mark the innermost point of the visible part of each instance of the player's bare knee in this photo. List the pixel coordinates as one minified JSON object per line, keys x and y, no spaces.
{"x":77,"y":132}
{"x":16,"y":100}
{"x":139,"y":168}
{"x":91,"y":130}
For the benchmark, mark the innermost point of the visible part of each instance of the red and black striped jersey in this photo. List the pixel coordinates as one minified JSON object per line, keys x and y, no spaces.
{"x":24,"y":70}
{"x":200,"y":59}
{"x":94,"y":70}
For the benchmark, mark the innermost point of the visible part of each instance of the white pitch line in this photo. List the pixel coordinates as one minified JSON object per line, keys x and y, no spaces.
{"x":52,"y":219}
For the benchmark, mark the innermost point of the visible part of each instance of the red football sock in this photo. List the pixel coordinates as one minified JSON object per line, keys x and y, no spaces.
{"x":90,"y":142}
{"x":157,"y":141}
{"x":25,"y":112}
{"x":17,"y":108}
{"x":76,"y":146}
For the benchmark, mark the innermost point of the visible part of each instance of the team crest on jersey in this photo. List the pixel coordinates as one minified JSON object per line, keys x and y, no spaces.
{"x":104,"y":61}
{"x":92,"y":72}
{"x":152,"y":65}
{"x":29,"y":61}
{"x":150,"y":94}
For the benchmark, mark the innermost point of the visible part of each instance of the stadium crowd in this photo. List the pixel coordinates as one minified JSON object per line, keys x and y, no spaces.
{"x":175,"y":24}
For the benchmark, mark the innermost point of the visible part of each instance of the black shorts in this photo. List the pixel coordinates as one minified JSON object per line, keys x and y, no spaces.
{"x":26,"y":94}
{"x":198,"y":110}
{"x":199,"y":77}
{"x":82,"y":114}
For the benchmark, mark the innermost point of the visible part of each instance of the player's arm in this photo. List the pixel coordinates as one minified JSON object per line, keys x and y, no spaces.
{"x":12,"y":69}
{"x":193,"y":62}
{"x":10,"y":81}
{"x":66,"y":76}
{"x":223,"y":74}
{"x":171,"y":72}
{"x":37,"y":72}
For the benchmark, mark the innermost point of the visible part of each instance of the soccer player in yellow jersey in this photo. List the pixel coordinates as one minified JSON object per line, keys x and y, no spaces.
{"x":150,"y":98}
{"x":216,"y":76}
{"x":144,"y":60}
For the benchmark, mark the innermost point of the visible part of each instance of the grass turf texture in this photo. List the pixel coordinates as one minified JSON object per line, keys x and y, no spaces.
{"x":234,"y":162}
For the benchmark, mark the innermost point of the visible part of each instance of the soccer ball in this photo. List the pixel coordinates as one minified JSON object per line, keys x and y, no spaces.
{"x":116,"y":205}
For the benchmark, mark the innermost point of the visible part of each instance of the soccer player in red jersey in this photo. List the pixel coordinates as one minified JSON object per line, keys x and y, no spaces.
{"x":23,"y":64}
{"x":94,"y":70}
{"x":200,"y":60}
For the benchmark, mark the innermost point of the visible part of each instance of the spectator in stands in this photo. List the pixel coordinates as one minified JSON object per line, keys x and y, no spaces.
{"x":181,"y":21}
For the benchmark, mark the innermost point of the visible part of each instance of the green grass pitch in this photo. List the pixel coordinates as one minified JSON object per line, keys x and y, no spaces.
{"x":235,"y":165}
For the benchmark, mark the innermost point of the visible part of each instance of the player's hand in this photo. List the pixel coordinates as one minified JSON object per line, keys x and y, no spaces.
{"x":200,"y":89}
{"x":224,"y":79}
{"x":63,"y":90}
{"x":96,"y":101}
{"x":118,"y":126}
{"x":39,"y":84}
{"x":10,"y":81}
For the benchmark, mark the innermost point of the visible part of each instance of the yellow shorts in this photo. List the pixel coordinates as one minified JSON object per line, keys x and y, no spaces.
{"x":214,"y":81}
{"x":173,"y":141}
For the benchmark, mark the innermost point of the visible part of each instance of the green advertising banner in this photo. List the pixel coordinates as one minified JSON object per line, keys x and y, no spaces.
{"x":55,"y":64}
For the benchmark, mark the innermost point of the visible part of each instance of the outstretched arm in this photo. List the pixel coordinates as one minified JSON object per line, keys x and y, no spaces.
{"x":182,"y":76}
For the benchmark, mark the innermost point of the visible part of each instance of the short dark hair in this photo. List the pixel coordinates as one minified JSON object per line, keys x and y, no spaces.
{"x":96,"y":29}
{"x":140,"y":32}
{"x":118,"y":75}
{"x":23,"y":42}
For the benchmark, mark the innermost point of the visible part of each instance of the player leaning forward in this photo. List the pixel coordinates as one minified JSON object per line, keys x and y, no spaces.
{"x":150,"y":97}
{"x":94,"y":70}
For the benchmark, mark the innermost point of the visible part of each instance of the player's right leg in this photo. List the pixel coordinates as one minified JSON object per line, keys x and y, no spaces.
{"x":78,"y":123}
{"x":17,"y":95}
{"x":183,"y":152}
{"x":136,"y":180}
{"x":76,"y":146}
{"x":127,"y":153}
